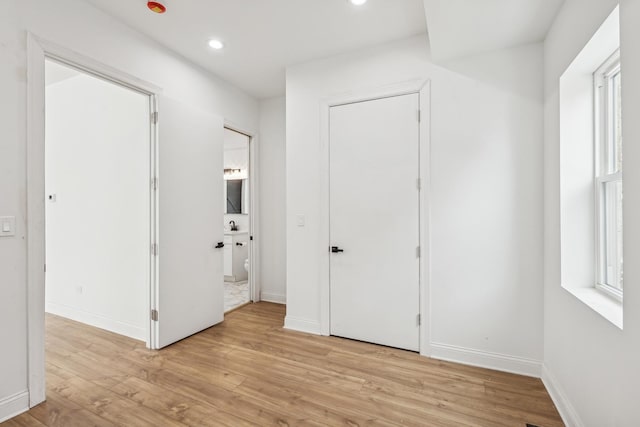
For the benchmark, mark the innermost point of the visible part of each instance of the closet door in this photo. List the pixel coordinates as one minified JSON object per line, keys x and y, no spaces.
{"x":374,"y":221}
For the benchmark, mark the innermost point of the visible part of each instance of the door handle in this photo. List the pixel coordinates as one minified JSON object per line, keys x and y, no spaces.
{"x":219,"y":245}
{"x":335,"y":249}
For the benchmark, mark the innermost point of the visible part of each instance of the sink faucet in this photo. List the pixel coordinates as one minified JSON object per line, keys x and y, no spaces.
{"x":233,"y":225}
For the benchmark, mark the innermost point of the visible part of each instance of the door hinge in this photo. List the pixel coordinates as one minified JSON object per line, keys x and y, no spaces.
{"x":154,"y":117}
{"x":418,"y":319}
{"x":154,"y":183}
{"x":250,"y":237}
{"x":154,"y":249}
{"x":418,"y":252}
{"x":154,"y":315}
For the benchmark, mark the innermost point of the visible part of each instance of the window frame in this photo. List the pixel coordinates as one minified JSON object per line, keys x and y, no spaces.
{"x":605,"y":170}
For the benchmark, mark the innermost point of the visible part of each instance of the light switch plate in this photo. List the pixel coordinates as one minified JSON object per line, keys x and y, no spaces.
{"x":7,"y":226}
{"x":300,"y":219}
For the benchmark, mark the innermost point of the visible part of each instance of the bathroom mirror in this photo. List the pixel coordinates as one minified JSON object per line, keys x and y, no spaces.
{"x":236,"y":196}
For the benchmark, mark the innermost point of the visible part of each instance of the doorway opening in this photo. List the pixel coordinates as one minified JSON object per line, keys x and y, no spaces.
{"x":189,"y":298}
{"x":98,"y":224}
{"x":237,"y":219}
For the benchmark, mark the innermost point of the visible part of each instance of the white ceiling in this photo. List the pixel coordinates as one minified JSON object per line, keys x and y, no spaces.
{"x":262,"y":37}
{"x":466,"y":27}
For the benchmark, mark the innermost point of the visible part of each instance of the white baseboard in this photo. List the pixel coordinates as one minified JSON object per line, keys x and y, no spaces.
{"x":565,"y":408}
{"x":302,"y":325}
{"x":14,"y":405}
{"x":483,"y":359}
{"x":122,"y":328}
{"x":277,"y":298}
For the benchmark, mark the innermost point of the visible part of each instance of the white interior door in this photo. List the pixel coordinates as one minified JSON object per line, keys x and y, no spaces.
{"x":374,"y":219}
{"x":190,"y":295}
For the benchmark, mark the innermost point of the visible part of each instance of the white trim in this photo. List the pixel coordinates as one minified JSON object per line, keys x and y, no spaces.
{"x":485,"y":359}
{"x":35,"y":221}
{"x":14,"y":405}
{"x":254,"y":216}
{"x":421,"y":87}
{"x":602,"y":120}
{"x":425,"y":219}
{"x":93,"y":67}
{"x":38,"y":50}
{"x":324,"y":221}
{"x":371,"y":93}
{"x":609,"y":308}
{"x":610,"y":291}
{"x":567,"y":412}
{"x":254,"y":208}
{"x":275,"y":298}
{"x":154,"y":226}
{"x":132,"y":331}
{"x":302,"y":325}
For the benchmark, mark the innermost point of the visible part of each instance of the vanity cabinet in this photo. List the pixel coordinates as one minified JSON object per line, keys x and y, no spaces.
{"x":236,"y":251}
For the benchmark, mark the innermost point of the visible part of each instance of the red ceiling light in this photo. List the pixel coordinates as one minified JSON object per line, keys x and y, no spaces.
{"x":156,"y":7}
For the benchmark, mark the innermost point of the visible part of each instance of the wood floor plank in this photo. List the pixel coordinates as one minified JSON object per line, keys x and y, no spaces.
{"x":108,"y":405}
{"x":175,"y":405}
{"x":249,"y":371}
{"x":23,"y":420}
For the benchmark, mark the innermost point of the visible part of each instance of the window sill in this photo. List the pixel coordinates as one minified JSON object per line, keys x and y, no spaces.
{"x":602,"y":304}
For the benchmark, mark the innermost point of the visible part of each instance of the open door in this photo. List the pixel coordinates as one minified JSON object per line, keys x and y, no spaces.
{"x":190,"y":290}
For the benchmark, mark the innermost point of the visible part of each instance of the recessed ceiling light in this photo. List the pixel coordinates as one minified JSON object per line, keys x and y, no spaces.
{"x":156,"y":7}
{"x":216,"y":44}
{"x":358,"y":2}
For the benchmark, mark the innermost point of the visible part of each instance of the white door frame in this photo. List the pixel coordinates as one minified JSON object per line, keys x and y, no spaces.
{"x":254,"y":210}
{"x":38,"y":50}
{"x":421,"y":87}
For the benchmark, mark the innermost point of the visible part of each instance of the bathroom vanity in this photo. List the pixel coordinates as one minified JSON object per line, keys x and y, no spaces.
{"x":236,"y":251}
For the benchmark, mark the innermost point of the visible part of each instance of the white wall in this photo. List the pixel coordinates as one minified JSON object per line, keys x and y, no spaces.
{"x":486,"y":194}
{"x":273,"y":249}
{"x":76,"y":25}
{"x":237,"y":158}
{"x":97,"y":242}
{"x":591,"y":366}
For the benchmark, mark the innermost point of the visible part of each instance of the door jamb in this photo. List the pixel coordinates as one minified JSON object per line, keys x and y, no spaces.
{"x":254,"y":209}
{"x":38,"y":49}
{"x":423,"y":88}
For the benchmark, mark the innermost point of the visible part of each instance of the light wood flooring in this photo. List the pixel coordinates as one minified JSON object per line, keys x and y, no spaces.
{"x":250,"y":371}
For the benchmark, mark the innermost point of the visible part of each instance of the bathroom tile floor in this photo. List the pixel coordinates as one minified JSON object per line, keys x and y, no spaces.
{"x":235,"y":294}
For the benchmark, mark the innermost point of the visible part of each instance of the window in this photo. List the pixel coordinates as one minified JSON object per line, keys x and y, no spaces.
{"x":608,"y":176}
{"x":591,"y":172}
